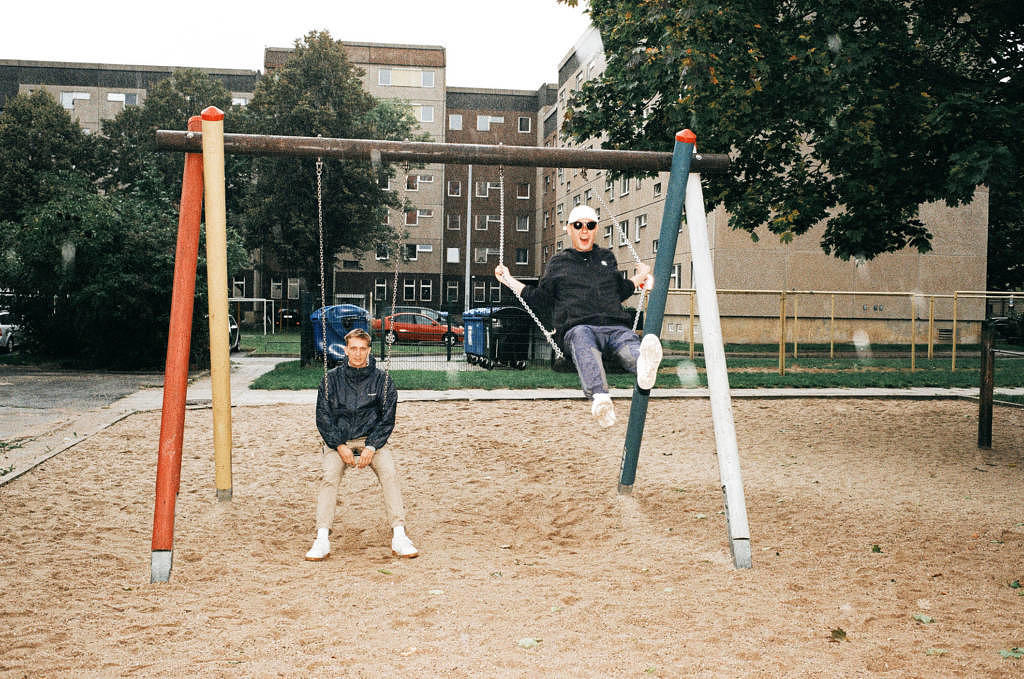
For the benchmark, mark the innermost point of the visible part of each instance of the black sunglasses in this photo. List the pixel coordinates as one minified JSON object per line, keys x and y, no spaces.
{"x":579,"y":225}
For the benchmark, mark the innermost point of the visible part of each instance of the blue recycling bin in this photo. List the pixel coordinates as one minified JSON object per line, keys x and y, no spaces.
{"x":338,"y":320}
{"x":474,"y":335}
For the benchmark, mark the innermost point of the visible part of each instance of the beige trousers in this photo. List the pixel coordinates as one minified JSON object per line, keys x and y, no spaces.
{"x":334,"y":469}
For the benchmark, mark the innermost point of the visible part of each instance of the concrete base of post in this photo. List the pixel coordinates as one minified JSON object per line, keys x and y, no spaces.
{"x":160,"y":565}
{"x":625,"y":490}
{"x":224,"y":495}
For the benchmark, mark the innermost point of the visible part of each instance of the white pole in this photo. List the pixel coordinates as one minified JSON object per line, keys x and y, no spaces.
{"x":718,"y":378}
{"x":469,"y":235}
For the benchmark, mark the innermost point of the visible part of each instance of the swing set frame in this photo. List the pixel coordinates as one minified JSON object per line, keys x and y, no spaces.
{"x":205,"y":145}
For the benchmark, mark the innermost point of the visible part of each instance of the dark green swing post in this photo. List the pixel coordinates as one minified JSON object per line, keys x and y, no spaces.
{"x":682,"y":155}
{"x":680,"y":192}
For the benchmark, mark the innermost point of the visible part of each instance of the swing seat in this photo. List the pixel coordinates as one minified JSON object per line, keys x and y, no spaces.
{"x":566,"y":364}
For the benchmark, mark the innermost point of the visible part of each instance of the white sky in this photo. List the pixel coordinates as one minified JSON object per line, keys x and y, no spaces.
{"x":513,"y":44}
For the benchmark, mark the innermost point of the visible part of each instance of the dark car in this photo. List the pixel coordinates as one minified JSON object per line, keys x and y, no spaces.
{"x":288,"y":317}
{"x":234,"y":336}
{"x":9,"y":331}
{"x":410,"y":327}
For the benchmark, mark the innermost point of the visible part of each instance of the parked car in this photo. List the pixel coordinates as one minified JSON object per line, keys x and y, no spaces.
{"x":9,"y":331}
{"x":288,"y":318}
{"x":439,"y":316}
{"x":410,"y":327}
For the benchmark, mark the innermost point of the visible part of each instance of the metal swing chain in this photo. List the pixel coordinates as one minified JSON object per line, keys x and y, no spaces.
{"x":320,"y":232}
{"x":636,"y":258}
{"x":501,"y":260}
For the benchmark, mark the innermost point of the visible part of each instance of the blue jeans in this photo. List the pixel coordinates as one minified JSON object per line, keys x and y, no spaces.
{"x":588,"y":343}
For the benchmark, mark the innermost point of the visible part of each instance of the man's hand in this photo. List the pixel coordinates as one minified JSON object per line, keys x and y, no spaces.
{"x":503,"y":275}
{"x":366,"y":457}
{"x":643,"y":277}
{"x":347,"y":456}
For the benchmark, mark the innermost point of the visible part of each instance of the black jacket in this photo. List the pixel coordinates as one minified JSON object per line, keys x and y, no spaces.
{"x":582,"y":288}
{"x":358,"y":402}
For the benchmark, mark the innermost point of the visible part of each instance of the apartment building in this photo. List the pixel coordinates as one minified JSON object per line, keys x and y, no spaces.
{"x":96,"y":92}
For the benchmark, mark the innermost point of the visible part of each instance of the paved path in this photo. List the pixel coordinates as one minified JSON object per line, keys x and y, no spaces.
{"x":50,"y":431}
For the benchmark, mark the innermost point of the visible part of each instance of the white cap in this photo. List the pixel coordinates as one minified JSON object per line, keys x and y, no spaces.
{"x":582,"y":213}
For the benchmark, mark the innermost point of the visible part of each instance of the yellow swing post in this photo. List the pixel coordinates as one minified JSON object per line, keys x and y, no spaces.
{"x":217,"y":282}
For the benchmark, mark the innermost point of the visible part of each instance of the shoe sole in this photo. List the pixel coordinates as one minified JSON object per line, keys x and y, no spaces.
{"x":318,"y":558}
{"x":651,"y":353}
{"x":405,"y":556}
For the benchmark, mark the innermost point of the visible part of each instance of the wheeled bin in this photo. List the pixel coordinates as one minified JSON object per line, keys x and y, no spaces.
{"x":497,"y":336}
{"x":338,"y":320}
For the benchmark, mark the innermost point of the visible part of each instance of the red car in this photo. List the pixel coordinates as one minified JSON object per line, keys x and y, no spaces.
{"x":410,"y":327}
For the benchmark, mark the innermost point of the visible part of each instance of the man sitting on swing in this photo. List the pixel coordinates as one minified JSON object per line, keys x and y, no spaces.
{"x":583,"y":288}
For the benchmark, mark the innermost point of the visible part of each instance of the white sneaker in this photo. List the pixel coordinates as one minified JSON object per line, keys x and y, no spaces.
{"x":321,"y":550}
{"x":603,"y":410}
{"x":402,"y":546}
{"x":648,"y":361}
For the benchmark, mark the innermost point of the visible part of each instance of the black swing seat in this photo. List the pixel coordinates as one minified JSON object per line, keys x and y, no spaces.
{"x":566,"y":365}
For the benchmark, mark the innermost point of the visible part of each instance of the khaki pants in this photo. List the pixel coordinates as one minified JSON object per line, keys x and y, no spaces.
{"x":334,"y":470}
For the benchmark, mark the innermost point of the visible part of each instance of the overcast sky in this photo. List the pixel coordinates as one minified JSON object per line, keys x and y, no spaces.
{"x":505,"y":45}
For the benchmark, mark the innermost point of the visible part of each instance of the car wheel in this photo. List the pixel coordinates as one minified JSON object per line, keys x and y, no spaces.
{"x":449,"y":339}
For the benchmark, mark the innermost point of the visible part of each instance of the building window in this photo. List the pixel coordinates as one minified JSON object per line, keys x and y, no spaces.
{"x":638,"y":184}
{"x":454,"y":188}
{"x":545,"y":253}
{"x":561,"y":175}
{"x":410,"y":252}
{"x":495,"y":293}
{"x":350,"y":264}
{"x":426,"y":179}
{"x":68,"y":99}
{"x":624,"y":186}
{"x":455,"y":121}
{"x":132,"y":99}
{"x":522,"y":191}
{"x":409,"y":290}
{"x":412,"y":218}
{"x":424,"y":113}
{"x":483,"y":123}
{"x":452,"y":291}
{"x":425,"y":213}
{"x":558,"y":245}
{"x":235,"y":101}
{"x":412,"y":183}
{"x":424,"y":247}
{"x":576,"y":200}
{"x":454,"y":222}
{"x":657,"y":189}
{"x":547,"y":182}
{"x":559,"y":209}
{"x":426,"y":290}
{"x":609,"y":187}
{"x":453,"y":255}
{"x":480,"y":255}
{"x":640,"y":223}
{"x":676,"y":273}
{"x":654,"y":246}
{"x":522,"y":222}
{"x":608,"y":230}
{"x":623,"y":232}
{"x":525,"y":124}
{"x":293,"y":288}
{"x":522,"y":256}
{"x":479,"y":291}
{"x":484,"y":221}
{"x":380,"y":289}
{"x":427,"y":79}
{"x":481,"y":189}
{"x":384,"y":76}
{"x":382,"y":253}
{"x":588,"y":196}
{"x":384,"y":182}
{"x":275,"y":289}
{"x":238,"y":286}
{"x":547,"y":219}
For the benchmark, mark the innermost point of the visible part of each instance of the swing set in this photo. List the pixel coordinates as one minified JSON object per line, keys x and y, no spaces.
{"x":205,"y":145}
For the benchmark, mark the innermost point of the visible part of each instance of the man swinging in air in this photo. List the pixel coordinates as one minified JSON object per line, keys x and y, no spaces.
{"x":584,"y":289}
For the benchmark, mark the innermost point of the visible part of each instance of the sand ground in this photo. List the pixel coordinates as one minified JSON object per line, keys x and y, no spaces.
{"x":863,"y":514}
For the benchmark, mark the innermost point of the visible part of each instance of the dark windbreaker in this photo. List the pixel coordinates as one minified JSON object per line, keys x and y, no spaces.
{"x":582,"y":288}
{"x":359,"y":402}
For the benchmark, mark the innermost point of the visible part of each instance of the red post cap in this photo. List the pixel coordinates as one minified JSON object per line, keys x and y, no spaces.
{"x":685,"y":136}
{"x":195,"y":124}
{"x":212,"y":113}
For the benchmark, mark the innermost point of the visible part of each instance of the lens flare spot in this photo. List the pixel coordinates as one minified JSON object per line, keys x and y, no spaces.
{"x":687,"y":373}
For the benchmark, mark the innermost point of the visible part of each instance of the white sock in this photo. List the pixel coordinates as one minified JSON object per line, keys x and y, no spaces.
{"x":399,"y":531}
{"x":602,"y":397}
{"x":322,"y":533}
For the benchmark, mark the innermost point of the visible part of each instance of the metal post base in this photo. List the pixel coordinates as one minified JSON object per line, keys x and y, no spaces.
{"x":160,"y":565}
{"x":741,"y":552}
{"x":224,"y":495}
{"x":625,"y":489}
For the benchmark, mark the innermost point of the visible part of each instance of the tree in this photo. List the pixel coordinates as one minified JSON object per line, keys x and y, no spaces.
{"x":318,"y":92}
{"x":40,"y":147}
{"x":854,"y":113}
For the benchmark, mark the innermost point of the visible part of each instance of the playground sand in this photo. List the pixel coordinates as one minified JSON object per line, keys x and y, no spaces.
{"x":884,"y":544}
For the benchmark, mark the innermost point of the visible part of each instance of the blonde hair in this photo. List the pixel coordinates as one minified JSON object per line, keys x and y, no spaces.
{"x":359,"y":333}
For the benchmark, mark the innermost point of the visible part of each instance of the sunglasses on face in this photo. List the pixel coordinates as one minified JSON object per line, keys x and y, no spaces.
{"x":579,"y":225}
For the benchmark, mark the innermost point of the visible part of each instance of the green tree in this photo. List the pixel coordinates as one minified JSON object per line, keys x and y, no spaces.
{"x":854,"y":113}
{"x":318,"y":92}
{"x":40,"y":148}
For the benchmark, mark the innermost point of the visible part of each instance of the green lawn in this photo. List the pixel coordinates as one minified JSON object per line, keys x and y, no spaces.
{"x":677,"y":372}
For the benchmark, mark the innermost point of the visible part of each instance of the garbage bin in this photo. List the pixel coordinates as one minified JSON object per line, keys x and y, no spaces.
{"x":339,"y":320}
{"x":497,"y":336}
